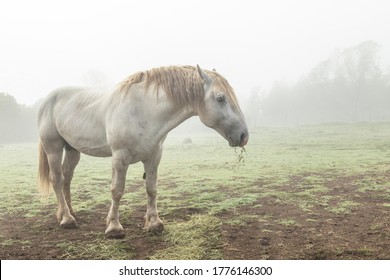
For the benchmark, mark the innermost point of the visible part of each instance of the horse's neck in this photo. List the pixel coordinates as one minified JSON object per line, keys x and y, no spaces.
{"x":177,"y":117}
{"x":157,"y":115}
{"x":169,"y":120}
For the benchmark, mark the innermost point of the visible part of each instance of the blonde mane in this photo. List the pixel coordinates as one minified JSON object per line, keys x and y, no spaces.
{"x":182,"y":84}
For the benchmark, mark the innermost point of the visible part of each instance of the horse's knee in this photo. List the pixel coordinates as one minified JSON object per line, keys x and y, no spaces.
{"x":116,"y":193}
{"x":152,"y":192}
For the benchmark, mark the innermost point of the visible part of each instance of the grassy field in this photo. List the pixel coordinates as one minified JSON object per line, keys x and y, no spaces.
{"x":308,"y":192}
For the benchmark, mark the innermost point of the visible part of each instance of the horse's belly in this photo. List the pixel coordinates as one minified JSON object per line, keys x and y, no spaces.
{"x":99,"y":151}
{"x":91,"y":144}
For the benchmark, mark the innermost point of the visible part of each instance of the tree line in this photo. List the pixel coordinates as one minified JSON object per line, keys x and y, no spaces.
{"x":349,"y":86}
{"x":18,"y":123}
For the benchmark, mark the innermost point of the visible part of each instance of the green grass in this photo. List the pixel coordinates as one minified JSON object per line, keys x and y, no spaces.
{"x":344,"y":207}
{"x":298,"y":166}
{"x":198,"y":238}
{"x":101,"y":248}
{"x":287,"y":222}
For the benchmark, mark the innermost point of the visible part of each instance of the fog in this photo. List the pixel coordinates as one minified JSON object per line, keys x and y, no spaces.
{"x":290,"y":62}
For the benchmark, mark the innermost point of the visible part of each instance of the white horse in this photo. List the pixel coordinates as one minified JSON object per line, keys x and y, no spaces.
{"x":130,"y":125}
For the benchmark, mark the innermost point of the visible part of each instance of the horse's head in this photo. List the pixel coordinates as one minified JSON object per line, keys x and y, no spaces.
{"x":221,"y":111}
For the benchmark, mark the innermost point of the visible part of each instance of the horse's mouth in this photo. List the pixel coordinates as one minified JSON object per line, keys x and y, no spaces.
{"x":243,"y":141}
{"x":232,"y":144}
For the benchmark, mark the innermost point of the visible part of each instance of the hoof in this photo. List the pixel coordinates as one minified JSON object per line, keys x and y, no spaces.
{"x":115,"y":230}
{"x":68,"y":224}
{"x":115,"y":234}
{"x":156,"y":228}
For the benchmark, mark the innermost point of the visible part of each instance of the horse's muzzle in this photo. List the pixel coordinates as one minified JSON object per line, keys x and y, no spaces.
{"x":239,"y":140}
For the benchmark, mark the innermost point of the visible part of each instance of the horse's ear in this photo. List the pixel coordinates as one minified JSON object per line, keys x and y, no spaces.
{"x":205,"y":77}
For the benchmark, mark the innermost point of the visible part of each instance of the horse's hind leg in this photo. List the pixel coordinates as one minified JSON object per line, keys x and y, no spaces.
{"x":54,"y":153}
{"x":72,"y":158}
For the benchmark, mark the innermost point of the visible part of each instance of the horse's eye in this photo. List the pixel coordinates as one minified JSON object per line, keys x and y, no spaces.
{"x":220,"y":98}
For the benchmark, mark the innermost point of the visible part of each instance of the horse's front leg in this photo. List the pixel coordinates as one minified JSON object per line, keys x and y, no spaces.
{"x":119,"y":169}
{"x":152,"y":220}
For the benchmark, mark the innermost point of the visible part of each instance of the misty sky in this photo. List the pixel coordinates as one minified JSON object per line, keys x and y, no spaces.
{"x":48,"y":44}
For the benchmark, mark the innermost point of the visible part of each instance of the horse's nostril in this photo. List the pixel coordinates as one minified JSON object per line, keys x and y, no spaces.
{"x":244,"y":139}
